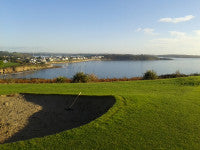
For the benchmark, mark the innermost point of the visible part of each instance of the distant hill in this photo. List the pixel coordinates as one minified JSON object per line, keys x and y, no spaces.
{"x":13,"y":54}
{"x":105,"y":56}
{"x":131,"y":57}
{"x":179,"y":56}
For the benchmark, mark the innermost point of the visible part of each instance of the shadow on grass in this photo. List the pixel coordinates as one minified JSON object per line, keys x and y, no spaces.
{"x":54,"y":118}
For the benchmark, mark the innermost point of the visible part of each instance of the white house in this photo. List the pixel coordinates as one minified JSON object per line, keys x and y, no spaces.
{"x":5,"y":61}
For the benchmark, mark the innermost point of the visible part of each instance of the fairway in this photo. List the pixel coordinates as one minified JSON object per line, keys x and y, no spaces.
{"x":156,"y":114}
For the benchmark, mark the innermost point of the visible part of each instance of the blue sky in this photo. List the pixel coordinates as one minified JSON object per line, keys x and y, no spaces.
{"x":101,"y":26}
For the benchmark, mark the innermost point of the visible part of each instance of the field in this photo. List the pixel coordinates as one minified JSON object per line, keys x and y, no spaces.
{"x":9,"y":64}
{"x":156,"y":114}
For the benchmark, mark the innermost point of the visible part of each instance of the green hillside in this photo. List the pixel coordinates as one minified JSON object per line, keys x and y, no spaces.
{"x":9,"y":64}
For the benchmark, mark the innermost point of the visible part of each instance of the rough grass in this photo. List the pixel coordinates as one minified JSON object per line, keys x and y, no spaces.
{"x":159,"y":114}
{"x":9,"y":64}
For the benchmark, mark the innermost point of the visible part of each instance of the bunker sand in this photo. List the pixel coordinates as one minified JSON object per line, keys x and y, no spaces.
{"x":26,"y":116}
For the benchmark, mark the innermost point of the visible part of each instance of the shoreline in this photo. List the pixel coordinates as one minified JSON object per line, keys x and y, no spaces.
{"x":20,"y":69}
{"x":49,"y":65}
{"x":73,"y":61}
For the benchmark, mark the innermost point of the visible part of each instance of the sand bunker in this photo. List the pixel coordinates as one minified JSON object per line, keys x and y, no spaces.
{"x":25,"y":116}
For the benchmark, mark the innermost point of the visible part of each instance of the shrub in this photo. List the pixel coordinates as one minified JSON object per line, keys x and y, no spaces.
{"x":150,"y":75}
{"x":177,"y":73}
{"x":92,"y":78}
{"x":195,"y":74}
{"x":80,"y":77}
{"x":173,"y":75}
{"x":60,"y":79}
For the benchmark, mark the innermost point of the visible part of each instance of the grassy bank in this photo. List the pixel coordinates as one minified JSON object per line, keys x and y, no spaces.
{"x":158,"y":114}
{"x":9,"y":64}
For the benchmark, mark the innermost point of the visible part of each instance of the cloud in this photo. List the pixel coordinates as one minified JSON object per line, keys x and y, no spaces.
{"x":197,"y":32}
{"x":178,"y":34}
{"x":177,"y":20}
{"x":179,"y":42}
{"x":138,"y":29}
{"x":149,"y":31}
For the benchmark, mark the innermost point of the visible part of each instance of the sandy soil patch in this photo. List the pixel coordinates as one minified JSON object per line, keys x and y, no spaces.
{"x":25,"y":116}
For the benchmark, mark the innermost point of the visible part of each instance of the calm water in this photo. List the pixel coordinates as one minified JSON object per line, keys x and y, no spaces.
{"x":117,"y":69}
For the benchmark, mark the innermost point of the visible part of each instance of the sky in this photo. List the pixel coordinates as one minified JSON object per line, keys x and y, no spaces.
{"x":101,"y":26}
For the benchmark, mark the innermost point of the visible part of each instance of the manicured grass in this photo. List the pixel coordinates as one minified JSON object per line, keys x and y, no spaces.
{"x":159,"y":114}
{"x":9,"y":64}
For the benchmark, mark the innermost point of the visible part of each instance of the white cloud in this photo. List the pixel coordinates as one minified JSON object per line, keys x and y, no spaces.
{"x":149,"y":31}
{"x":177,"y":34}
{"x":177,"y":20}
{"x":179,"y":42}
{"x":197,"y":32}
{"x":138,"y":29}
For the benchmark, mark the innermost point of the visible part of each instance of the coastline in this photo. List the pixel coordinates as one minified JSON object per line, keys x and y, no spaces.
{"x":18,"y":69}
{"x":73,"y":61}
{"x":49,"y":65}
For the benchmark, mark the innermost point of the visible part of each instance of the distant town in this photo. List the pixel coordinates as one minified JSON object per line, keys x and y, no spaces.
{"x":10,"y":59}
{"x":57,"y":59}
{"x":26,"y":58}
